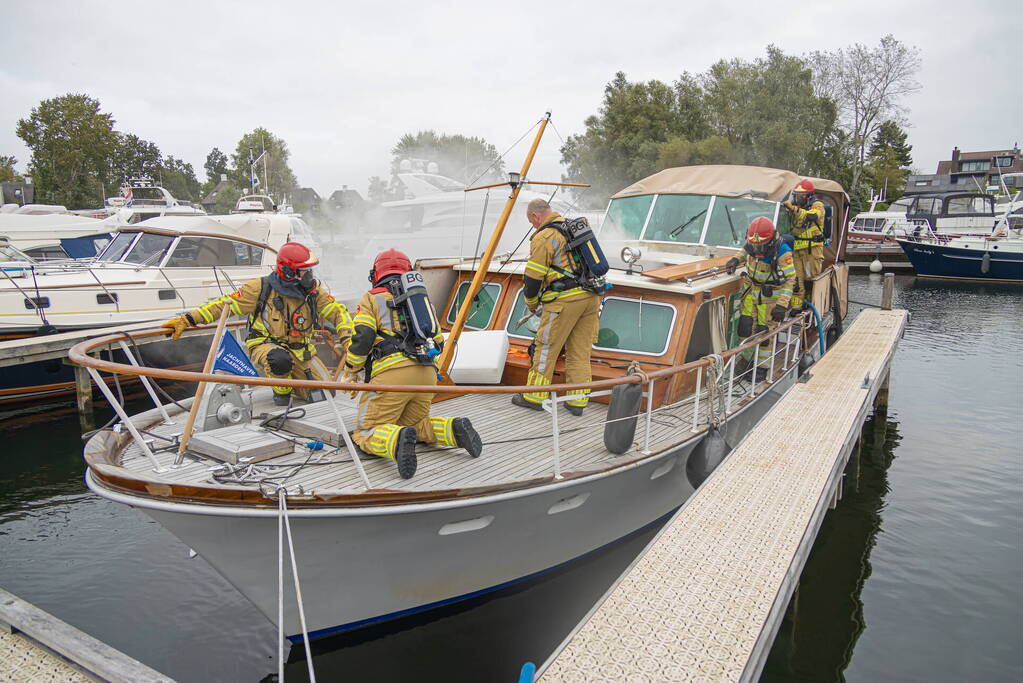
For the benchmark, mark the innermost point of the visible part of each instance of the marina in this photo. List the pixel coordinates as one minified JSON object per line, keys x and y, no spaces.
{"x":395,"y":355}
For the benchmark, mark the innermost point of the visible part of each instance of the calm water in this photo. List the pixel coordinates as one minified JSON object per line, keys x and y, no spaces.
{"x":915,"y":577}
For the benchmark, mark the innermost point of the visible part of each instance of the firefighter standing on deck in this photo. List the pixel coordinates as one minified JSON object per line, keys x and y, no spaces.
{"x":389,"y":423}
{"x":570,"y":317}
{"x":284,"y":310}
{"x":808,"y":249}
{"x":771,"y":274}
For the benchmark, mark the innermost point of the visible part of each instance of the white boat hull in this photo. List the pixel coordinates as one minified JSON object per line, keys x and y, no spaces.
{"x":363,"y":565}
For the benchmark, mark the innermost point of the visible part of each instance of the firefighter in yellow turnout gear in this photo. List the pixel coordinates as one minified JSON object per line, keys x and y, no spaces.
{"x":284,"y":309}
{"x":385,"y":346}
{"x":807,"y":215}
{"x":771,"y":274}
{"x":570,"y":317}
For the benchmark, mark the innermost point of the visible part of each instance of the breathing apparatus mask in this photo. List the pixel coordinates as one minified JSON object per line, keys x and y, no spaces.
{"x":768,"y":249}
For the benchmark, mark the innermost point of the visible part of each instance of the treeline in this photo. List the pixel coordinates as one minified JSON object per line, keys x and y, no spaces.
{"x":819,"y":114}
{"x":78,"y":158}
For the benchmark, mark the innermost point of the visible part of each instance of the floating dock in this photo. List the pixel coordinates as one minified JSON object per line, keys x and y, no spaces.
{"x":705,"y":600}
{"x":36,"y":646}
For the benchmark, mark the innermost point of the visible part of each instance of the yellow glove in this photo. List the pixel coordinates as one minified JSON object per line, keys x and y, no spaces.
{"x":175,"y":326}
{"x":354,"y":379}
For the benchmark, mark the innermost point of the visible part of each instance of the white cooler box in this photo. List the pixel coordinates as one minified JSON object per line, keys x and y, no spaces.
{"x":479,"y":357}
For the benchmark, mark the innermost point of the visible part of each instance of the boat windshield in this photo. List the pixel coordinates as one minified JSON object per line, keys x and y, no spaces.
{"x":684,"y":218}
{"x":115,"y":250}
{"x":149,"y":249}
{"x":9,"y":254}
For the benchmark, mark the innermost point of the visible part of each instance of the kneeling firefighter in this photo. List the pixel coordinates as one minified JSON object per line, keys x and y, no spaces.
{"x":284,"y":309}
{"x":771,"y":274}
{"x":395,"y":341}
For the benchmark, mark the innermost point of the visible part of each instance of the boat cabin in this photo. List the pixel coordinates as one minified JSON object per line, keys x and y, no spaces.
{"x":957,"y":212}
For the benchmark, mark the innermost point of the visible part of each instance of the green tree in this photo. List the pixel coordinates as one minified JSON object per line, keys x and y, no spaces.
{"x":867,"y":85}
{"x":465,"y":159}
{"x":7,"y":172}
{"x":762,"y":112}
{"x":216,"y":165}
{"x":377,"y":191}
{"x":891,"y":137}
{"x":622,"y":141}
{"x":178,"y":177}
{"x":274,"y":173}
{"x":72,"y":144}
{"x":134,"y":157}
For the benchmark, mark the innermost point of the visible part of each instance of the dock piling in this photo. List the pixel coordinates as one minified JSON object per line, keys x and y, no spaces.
{"x":83,"y":396}
{"x":888,"y":292}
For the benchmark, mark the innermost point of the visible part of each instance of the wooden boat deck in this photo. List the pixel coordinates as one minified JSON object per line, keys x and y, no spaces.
{"x":517,"y":446}
{"x":704,"y":601}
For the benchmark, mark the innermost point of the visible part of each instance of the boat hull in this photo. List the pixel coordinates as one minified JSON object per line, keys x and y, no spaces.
{"x":943,"y":261}
{"x":365,"y":565}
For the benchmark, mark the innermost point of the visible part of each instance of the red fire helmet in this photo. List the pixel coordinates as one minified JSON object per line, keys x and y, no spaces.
{"x":390,"y":262}
{"x":292,"y":258}
{"x":761,"y":230}
{"x":804,"y":186}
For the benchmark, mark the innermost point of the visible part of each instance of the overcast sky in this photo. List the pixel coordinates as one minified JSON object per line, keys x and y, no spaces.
{"x":341,"y":82}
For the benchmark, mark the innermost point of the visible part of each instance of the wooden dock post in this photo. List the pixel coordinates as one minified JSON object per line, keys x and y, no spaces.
{"x":888,"y":292}
{"x":83,"y":395}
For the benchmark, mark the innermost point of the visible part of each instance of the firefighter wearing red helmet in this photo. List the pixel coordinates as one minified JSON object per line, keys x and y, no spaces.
{"x":807,"y":215}
{"x":771,"y":273}
{"x":389,"y":423}
{"x":284,"y":309}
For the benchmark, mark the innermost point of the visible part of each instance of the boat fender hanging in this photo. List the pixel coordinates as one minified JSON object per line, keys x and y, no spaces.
{"x":706,"y":457}
{"x":985,"y":263}
{"x":620,"y":428}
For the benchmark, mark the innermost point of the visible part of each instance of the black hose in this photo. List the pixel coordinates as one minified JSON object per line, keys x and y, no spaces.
{"x":862,"y":303}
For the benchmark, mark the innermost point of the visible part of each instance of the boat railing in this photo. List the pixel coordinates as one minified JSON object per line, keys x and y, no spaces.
{"x":721,"y":390}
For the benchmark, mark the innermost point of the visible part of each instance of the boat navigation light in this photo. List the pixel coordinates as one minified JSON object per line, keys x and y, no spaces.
{"x":514,"y":178}
{"x":630,"y":255}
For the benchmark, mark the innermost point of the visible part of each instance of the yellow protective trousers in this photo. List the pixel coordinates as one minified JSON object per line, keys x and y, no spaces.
{"x":258,"y":355}
{"x":382,"y":414}
{"x":757,"y":306}
{"x":809,"y":263}
{"x":570,"y":324}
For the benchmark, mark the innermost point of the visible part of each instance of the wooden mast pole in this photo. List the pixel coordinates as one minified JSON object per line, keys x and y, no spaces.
{"x":186,"y":435}
{"x":444,"y":362}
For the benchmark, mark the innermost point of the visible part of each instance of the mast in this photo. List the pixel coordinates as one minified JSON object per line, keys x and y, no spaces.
{"x":488,"y":254}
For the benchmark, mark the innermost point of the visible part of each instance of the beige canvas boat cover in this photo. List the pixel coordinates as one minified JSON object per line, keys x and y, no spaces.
{"x":256,"y":228}
{"x":723,"y":180}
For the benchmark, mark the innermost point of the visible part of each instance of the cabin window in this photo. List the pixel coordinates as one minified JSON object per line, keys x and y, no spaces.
{"x":197,"y":252}
{"x":708,"y":330}
{"x":115,"y":250}
{"x":51,"y":253}
{"x":149,"y":249}
{"x":247,"y":254}
{"x":482,"y":310}
{"x":635,"y":325}
{"x":731,"y":217}
{"x":626,"y":217}
{"x":965,"y":206}
{"x":677,"y":218}
{"x":631,"y":325}
{"x":139,"y":217}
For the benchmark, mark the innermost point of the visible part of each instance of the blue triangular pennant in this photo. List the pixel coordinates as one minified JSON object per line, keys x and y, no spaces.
{"x":231,"y":358}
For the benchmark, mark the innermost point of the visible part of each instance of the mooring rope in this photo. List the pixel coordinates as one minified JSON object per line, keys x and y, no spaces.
{"x":284,"y":526}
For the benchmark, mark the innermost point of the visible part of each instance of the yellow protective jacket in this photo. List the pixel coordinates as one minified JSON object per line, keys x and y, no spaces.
{"x":289,"y":323}
{"x":549,"y":261}
{"x":778,"y":276}
{"x":376,"y":327}
{"x":807,"y":225}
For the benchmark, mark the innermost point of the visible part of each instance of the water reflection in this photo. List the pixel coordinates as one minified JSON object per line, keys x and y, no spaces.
{"x":825,"y":618}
